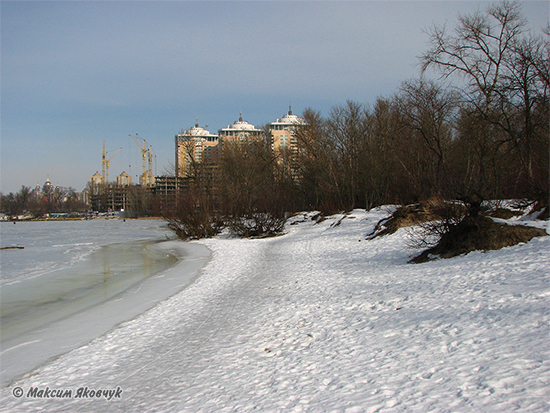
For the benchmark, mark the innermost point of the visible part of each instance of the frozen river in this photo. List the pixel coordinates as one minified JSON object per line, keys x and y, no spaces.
{"x":75,"y":280}
{"x":49,"y":245}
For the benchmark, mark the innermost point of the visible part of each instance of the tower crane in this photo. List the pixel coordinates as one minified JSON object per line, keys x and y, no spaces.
{"x":105,"y":162}
{"x":150,"y":158}
{"x":143,"y":149}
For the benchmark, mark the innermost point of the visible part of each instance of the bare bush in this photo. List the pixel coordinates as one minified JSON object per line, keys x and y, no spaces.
{"x":254,"y":199}
{"x":258,"y":224}
{"x":479,"y":233}
{"x":193,"y":217}
{"x":440,"y":218}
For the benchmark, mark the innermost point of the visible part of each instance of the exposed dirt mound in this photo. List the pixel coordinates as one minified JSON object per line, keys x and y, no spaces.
{"x":479,"y":233}
{"x":504,"y":213}
{"x":459,"y":230}
{"x":407,"y":216}
{"x":542,"y":209}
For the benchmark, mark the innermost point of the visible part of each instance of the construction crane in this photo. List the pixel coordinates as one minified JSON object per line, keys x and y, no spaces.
{"x":143,"y":149}
{"x":105,"y":163}
{"x":151,"y":156}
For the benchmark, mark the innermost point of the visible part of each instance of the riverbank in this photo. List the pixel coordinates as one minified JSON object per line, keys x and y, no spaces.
{"x":321,"y":319}
{"x":28,"y":342}
{"x":60,"y":219}
{"x":68,"y":282}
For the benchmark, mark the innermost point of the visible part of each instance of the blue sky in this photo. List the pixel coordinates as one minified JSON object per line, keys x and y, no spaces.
{"x":75,"y":73}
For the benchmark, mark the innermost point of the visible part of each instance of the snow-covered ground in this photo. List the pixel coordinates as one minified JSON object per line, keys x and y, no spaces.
{"x":76,"y":280}
{"x":320,"y":319}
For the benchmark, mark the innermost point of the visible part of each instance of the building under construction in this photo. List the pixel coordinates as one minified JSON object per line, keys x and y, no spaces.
{"x":197,"y":157}
{"x":122,"y":195}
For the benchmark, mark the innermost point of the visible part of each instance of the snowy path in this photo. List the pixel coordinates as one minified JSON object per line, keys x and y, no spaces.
{"x":317,"y":321}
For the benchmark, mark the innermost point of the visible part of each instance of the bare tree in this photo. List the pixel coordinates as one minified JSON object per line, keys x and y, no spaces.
{"x":15,"y":204}
{"x":429,"y":111}
{"x":193,"y":216}
{"x":504,"y":75}
{"x":478,"y":51}
{"x":524,"y":110}
{"x":390,"y":177}
{"x":253,"y":201}
{"x":348,"y":129}
{"x":319,"y":169}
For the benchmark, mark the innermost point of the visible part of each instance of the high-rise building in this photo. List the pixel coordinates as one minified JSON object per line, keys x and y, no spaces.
{"x":193,"y":147}
{"x":147,"y":179}
{"x":284,"y":141}
{"x":96,"y":180}
{"x":283,"y":132}
{"x":124,"y":179}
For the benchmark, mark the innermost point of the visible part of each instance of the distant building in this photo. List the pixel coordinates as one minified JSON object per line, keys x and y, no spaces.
{"x":240,"y":132}
{"x":124,"y":179}
{"x":84,"y":197}
{"x":48,"y":187}
{"x":167,"y":190}
{"x":284,"y":141}
{"x":193,"y":147}
{"x":147,"y":179}
{"x":283,"y":132}
{"x":96,"y":179}
{"x":198,"y":150}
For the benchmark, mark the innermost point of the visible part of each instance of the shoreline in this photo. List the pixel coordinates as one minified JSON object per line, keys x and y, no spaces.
{"x":24,"y":353}
{"x":31,"y":302}
{"x":320,"y":319}
{"x":79,"y":219}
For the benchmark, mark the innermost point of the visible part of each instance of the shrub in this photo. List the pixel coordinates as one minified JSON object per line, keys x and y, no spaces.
{"x":256,"y":225}
{"x":194,"y":217}
{"x":433,"y":216}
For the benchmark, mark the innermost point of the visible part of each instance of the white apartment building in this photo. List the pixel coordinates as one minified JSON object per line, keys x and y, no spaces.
{"x":283,"y":133}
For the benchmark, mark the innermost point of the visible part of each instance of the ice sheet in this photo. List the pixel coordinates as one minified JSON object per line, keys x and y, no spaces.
{"x":75,"y":280}
{"x":49,"y":245}
{"x":106,"y":272}
{"x":25,"y":352}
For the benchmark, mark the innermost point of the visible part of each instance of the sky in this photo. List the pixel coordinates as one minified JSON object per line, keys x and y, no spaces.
{"x":77,"y":73}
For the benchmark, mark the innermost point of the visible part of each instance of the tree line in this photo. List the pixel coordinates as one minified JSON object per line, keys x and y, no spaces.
{"x":481,"y":131}
{"x":39,"y":203}
{"x":478,"y":132}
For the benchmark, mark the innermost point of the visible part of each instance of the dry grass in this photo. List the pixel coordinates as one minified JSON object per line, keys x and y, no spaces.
{"x":410,"y":215}
{"x":478,"y":234}
{"x":448,"y":229}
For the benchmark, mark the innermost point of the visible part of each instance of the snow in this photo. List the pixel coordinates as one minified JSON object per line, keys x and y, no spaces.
{"x":55,"y":297}
{"x":321,"y":319}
